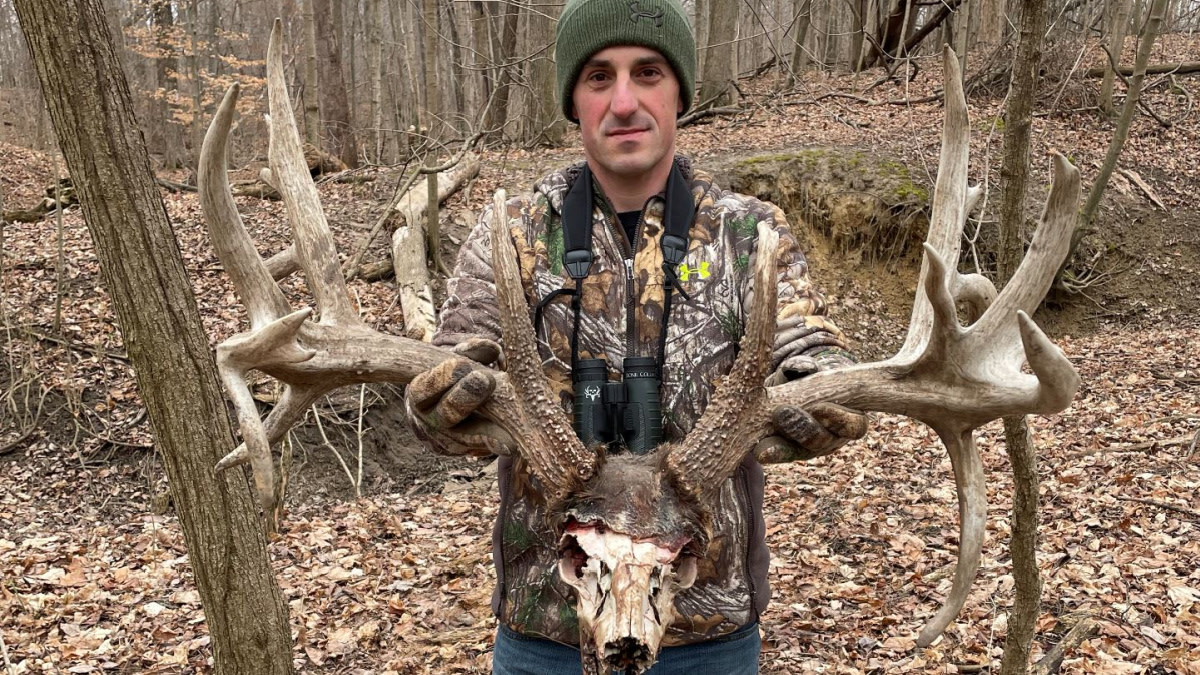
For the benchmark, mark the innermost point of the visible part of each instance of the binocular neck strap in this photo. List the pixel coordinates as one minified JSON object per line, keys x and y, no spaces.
{"x":577,"y":250}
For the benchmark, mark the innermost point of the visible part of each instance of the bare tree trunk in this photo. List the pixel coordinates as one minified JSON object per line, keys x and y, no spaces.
{"x":429,"y":116}
{"x":335,"y":105}
{"x":457,"y":76}
{"x":481,"y":36}
{"x":312,"y":94}
{"x":717,"y":77}
{"x":375,"y":68}
{"x":962,"y":34}
{"x":498,"y":114}
{"x":1116,"y":46}
{"x":829,"y":56}
{"x":799,"y":55}
{"x":1022,"y":454}
{"x":1121,"y":133}
{"x":143,"y":272}
{"x":991,"y":22}
{"x":163,"y":131}
{"x":545,"y":123}
{"x":703,"y":12}
{"x":193,"y":18}
{"x":858,"y":13}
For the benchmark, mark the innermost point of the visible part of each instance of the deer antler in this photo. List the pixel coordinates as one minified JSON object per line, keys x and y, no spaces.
{"x":314,"y":357}
{"x":952,"y":378}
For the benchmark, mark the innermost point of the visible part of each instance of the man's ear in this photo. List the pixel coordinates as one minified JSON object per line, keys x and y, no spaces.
{"x":679,"y":109}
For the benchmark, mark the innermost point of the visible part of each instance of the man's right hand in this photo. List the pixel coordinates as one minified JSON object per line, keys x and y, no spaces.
{"x":440,"y":402}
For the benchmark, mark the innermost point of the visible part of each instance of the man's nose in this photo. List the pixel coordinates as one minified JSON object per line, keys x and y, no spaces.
{"x":624,"y":100}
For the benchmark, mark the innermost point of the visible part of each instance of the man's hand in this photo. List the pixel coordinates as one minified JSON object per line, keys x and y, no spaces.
{"x":440,"y":403}
{"x":804,"y":434}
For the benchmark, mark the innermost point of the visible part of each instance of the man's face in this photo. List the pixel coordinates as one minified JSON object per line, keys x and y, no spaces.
{"x":626,"y":100}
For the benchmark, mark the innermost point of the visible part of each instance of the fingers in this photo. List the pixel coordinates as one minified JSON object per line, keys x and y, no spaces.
{"x":472,"y":438}
{"x":463,"y":398}
{"x":427,"y":388}
{"x":479,"y":350}
{"x":796,"y":367}
{"x":840,"y":421}
{"x":801,"y":428}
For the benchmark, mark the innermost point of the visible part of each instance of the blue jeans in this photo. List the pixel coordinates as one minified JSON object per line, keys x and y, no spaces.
{"x":733,"y":654}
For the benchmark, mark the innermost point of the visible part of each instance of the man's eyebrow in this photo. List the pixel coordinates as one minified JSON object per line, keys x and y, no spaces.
{"x":654,"y":60}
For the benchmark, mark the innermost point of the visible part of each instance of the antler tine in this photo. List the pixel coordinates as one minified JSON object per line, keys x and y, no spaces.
{"x":292,"y":405}
{"x":1051,"y":240}
{"x":251,"y":281}
{"x":972,"y":528}
{"x":950,"y":199}
{"x":314,"y":243}
{"x":726,"y":431}
{"x":551,"y":448}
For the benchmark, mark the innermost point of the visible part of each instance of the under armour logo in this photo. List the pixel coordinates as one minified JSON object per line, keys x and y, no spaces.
{"x":592,"y":393}
{"x":685,"y":272}
{"x":636,"y":13}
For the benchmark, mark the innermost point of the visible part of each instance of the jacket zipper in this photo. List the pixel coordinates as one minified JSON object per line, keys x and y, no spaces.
{"x":627,"y":258}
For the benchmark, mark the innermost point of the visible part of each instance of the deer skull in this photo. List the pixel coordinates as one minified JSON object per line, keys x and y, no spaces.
{"x":628,"y":546}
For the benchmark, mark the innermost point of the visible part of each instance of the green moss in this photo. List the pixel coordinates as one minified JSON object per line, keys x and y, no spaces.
{"x":806,"y":156}
{"x":907,"y":191}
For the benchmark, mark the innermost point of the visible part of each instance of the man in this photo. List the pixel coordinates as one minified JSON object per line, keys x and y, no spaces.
{"x":626,"y":72}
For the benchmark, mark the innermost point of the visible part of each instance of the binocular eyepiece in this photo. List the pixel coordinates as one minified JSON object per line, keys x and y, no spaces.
{"x":627,"y":412}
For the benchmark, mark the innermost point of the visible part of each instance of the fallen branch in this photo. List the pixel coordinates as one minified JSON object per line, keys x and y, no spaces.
{"x":283,"y":263}
{"x":175,"y":187}
{"x":351,"y":268}
{"x":1052,"y":661}
{"x":697,"y":115}
{"x":1162,"y":505}
{"x":1144,"y":446}
{"x":16,"y":442}
{"x":1141,"y":184}
{"x":409,"y":248}
{"x":94,"y":351}
{"x":1158,"y":69}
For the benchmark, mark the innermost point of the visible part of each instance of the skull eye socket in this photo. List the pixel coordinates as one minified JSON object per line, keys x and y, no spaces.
{"x":685,"y":570}
{"x":571,"y":560}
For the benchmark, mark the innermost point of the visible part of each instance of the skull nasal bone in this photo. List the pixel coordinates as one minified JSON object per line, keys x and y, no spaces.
{"x":626,"y":654}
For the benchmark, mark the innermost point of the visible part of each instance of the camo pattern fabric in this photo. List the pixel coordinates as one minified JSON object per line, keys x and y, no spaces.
{"x":731,"y":587}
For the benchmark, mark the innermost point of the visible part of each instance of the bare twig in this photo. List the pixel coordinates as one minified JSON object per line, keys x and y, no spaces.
{"x":75,"y":346}
{"x":697,"y":115}
{"x":1162,"y":505}
{"x":1141,"y":447}
{"x":8,"y":666}
{"x":1053,"y":659}
{"x":353,"y":266}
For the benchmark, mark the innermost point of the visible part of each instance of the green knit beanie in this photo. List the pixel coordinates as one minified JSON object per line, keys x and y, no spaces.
{"x":587,"y":26}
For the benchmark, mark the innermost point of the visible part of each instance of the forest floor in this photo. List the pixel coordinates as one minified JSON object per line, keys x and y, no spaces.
{"x":94,"y":576}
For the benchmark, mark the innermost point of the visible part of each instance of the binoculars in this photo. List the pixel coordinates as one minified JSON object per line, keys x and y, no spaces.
{"x":626,"y":413}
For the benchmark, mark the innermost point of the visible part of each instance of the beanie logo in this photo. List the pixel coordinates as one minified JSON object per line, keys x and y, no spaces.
{"x":636,"y":13}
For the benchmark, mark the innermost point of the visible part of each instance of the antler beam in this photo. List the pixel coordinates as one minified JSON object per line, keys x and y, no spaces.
{"x":311,"y":357}
{"x":951,"y":377}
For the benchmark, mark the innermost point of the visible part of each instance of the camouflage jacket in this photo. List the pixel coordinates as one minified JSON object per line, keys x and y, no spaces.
{"x":731,"y":588}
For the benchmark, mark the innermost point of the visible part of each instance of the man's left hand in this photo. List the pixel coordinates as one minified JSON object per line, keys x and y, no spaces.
{"x":803,"y":434}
